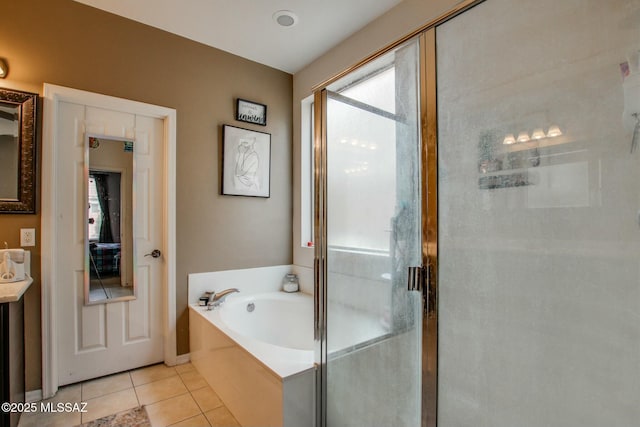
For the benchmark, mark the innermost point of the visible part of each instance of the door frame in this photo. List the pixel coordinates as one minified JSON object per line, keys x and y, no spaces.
{"x":53,"y":96}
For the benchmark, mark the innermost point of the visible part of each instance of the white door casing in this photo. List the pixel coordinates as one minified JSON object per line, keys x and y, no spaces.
{"x":81,"y":342}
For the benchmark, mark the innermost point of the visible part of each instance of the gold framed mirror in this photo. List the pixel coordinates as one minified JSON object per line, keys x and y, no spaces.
{"x":109,"y":243}
{"x":17,"y":151}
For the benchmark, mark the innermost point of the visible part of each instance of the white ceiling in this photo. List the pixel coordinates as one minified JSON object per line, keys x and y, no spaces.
{"x":246,"y":27}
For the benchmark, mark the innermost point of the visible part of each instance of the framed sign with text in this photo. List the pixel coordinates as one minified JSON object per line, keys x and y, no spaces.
{"x":251,"y":112}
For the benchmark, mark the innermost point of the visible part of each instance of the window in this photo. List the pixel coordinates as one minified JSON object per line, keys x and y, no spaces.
{"x":95,"y":213}
{"x":306,"y":172}
{"x":365,"y":132}
{"x":362,"y":148}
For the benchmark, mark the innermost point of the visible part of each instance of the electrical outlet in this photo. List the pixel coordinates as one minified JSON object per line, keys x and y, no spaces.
{"x":27,"y":237}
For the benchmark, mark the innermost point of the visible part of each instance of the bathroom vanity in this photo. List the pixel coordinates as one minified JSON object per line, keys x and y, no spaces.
{"x":12,"y":347}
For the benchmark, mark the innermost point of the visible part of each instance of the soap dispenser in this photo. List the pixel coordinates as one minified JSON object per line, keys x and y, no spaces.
{"x":290,"y":283}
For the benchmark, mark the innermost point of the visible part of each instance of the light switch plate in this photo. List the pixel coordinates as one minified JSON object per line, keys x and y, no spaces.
{"x":27,"y":237}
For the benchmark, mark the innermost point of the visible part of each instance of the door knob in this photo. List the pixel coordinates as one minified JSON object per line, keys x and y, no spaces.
{"x":155,"y":253}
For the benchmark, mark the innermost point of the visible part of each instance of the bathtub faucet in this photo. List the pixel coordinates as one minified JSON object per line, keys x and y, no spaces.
{"x":218,"y":298}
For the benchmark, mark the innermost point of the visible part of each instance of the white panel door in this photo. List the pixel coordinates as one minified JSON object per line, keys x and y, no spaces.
{"x":100,"y":339}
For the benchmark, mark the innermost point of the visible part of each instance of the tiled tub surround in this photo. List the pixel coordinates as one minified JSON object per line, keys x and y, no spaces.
{"x":248,"y":280}
{"x":262,"y":383}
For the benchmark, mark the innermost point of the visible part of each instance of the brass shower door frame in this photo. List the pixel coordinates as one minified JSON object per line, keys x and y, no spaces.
{"x":429,"y":188}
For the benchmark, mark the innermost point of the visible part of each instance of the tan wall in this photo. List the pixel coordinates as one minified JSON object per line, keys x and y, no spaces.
{"x":70,"y":44}
{"x":393,"y":25}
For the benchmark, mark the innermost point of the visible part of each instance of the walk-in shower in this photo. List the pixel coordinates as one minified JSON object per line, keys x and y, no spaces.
{"x":495,"y":147}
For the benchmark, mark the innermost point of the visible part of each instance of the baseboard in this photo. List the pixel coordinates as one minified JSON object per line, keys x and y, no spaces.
{"x":33,"y":396}
{"x":181,"y":359}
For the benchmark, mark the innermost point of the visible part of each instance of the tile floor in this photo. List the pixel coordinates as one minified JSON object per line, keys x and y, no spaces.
{"x":172,"y":396}
{"x":110,"y":288}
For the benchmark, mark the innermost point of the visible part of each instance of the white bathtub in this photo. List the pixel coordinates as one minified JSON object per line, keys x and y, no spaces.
{"x":260,"y":362}
{"x":277,"y":318}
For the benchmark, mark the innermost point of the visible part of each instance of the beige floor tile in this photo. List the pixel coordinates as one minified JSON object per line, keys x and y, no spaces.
{"x":151,"y":374}
{"x":172,"y":411}
{"x":193,"y":380}
{"x":221,"y":417}
{"x":29,"y":419}
{"x":160,"y":390}
{"x":199,"y":421}
{"x":110,"y":404}
{"x":106,"y":385}
{"x":69,"y":393}
{"x":44,"y":419}
{"x":186,"y":367}
{"x":206,"y":398}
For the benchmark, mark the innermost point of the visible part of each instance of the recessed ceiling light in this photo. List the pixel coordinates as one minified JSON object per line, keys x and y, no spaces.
{"x":285,"y":18}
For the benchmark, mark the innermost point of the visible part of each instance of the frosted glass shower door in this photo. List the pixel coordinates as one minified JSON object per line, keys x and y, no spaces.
{"x":373,"y":324}
{"x":539,"y":195}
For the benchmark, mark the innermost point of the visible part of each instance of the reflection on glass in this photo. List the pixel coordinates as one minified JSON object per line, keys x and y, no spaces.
{"x":109,"y":231}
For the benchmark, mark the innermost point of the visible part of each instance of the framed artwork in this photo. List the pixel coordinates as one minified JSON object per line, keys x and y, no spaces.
{"x":246,"y":162}
{"x":251,"y":112}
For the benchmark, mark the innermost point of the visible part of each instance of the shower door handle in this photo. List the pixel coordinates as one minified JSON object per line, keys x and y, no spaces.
{"x":417,"y":278}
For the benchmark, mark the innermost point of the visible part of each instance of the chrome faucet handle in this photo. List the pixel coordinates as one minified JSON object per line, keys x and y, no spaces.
{"x":217,"y":298}
{"x":213,"y":304}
